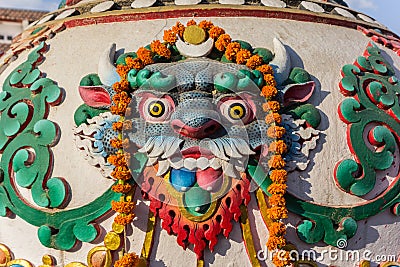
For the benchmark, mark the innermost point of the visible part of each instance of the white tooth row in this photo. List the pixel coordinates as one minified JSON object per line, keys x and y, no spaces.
{"x":202,"y":163}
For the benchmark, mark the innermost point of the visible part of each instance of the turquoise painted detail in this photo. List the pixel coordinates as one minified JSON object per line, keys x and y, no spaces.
{"x":244,"y":45}
{"x":266,"y":54}
{"x":306,"y":112}
{"x":298,"y":75}
{"x":61,"y":4}
{"x":90,"y":80}
{"x":26,"y":138}
{"x":85,"y":112}
{"x":197,"y":201}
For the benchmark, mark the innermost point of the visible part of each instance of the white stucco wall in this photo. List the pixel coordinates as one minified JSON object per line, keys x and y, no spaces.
{"x":8,"y":28}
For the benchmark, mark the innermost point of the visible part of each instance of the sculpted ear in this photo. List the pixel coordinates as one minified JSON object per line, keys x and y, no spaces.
{"x":95,"y":96}
{"x":295,"y":93}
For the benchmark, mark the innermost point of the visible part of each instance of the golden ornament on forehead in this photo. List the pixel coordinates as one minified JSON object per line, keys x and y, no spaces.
{"x":194,"y":35}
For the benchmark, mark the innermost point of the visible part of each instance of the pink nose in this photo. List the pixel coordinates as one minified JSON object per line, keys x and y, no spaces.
{"x":203,"y":131}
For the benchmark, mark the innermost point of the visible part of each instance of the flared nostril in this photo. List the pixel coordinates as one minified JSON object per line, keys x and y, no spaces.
{"x":200,"y":132}
{"x":210,"y":129}
{"x":176,"y":127}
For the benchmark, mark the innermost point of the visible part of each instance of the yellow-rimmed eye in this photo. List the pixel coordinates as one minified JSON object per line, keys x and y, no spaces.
{"x":237,"y":111}
{"x":156,"y":109}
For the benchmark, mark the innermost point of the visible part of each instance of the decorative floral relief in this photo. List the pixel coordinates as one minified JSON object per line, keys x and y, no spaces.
{"x":26,"y":139}
{"x":93,"y":139}
{"x":371,"y":103}
{"x":372,"y":91}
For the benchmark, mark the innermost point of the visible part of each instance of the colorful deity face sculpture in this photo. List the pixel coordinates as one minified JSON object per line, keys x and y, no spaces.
{"x":200,"y":125}
{"x":196,"y":122}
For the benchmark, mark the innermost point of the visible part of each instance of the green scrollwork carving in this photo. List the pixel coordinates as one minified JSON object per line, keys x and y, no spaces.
{"x":26,"y":138}
{"x":372,"y":106}
{"x":371,"y":113}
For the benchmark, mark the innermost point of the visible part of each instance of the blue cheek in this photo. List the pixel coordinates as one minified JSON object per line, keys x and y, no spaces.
{"x":182,"y":179}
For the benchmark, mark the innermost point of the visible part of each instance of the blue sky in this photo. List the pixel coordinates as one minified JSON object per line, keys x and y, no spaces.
{"x":385,"y":11}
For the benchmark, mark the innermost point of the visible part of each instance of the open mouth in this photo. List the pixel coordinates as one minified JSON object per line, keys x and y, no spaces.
{"x":197,"y":165}
{"x":204,"y":165}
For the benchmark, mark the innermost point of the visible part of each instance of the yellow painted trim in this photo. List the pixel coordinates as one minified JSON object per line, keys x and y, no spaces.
{"x":262,"y":204}
{"x":148,"y":240}
{"x":248,"y":237}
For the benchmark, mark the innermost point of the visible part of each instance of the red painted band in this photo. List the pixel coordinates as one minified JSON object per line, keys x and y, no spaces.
{"x":215,"y":11}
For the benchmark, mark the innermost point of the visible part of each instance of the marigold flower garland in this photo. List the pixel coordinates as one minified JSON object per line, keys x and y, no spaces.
{"x":234,"y":52}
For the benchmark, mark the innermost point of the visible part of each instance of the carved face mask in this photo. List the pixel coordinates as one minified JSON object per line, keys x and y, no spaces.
{"x":196,"y":122}
{"x":195,"y":137}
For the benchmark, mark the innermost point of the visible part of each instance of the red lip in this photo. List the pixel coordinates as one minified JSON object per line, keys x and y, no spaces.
{"x":197,"y":152}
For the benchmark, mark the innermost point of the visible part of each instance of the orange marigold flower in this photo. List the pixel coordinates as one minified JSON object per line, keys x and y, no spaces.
{"x":231,"y":50}
{"x":122,"y":71}
{"x":277,"y":229}
{"x":120,"y":86}
{"x":191,"y":22}
{"x":223,"y":42}
{"x":269,"y":79}
{"x":128,"y":260}
{"x":275,"y":242}
{"x":273,"y":106}
{"x":276,"y":162}
{"x":160,"y":49}
{"x":123,"y":219}
{"x":117,"y":159}
{"x":277,"y":200}
{"x":275,"y":132}
{"x":281,"y":258}
{"x":265,"y":69}
{"x":123,"y":207}
{"x":254,"y":62}
{"x":121,"y":188}
{"x":216,"y":32}
{"x":278,"y":147}
{"x":278,"y":176}
{"x":170,"y":36}
{"x":178,"y":29}
{"x":206,"y":25}
{"x":117,"y":126}
{"x":121,"y":173}
{"x":269,"y":91}
{"x":121,"y":102}
{"x":242,"y":56}
{"x":145,"y":56}
{"x":134,"y":63}
{"x":116,"y":143}
{"x":277,"y":213}
{"x":275,"y":189}
{"x":273,"y":118}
